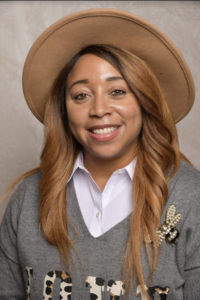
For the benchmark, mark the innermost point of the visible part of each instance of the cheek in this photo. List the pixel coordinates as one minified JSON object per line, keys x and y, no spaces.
{"x":133,"y":115}
{"x":76,"y":118}
{"x":134,"y":122}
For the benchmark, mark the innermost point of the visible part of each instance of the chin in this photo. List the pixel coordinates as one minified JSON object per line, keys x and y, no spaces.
{"x":107,"y":154}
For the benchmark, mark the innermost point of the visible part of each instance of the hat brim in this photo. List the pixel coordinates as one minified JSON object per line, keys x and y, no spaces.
{"x":66,"y":37}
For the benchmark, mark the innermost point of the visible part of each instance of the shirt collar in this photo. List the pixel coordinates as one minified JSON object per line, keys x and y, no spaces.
{"x":130,"y":168}
{"x":78,"y":164}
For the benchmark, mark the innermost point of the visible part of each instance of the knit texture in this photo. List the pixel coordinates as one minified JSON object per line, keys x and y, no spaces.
{"x":31,"y":268}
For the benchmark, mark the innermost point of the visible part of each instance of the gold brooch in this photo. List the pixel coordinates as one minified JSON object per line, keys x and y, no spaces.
{"x":168,"y":231}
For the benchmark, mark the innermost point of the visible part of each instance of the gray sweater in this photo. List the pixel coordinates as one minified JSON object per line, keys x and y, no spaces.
{"x":31,"y":268}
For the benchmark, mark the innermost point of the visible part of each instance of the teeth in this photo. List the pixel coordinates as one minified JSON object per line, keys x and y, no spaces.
{"x":105,"y":130}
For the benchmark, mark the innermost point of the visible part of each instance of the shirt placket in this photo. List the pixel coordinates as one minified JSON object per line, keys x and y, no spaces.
{"x":100,"y":201}
{"x":96,"y":224}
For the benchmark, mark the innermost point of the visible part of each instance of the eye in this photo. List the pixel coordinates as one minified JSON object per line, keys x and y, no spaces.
{"x":118,"y":92}
{"x":80,"y":98}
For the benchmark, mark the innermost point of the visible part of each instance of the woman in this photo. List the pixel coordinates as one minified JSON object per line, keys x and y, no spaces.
{"x":130,"y":226}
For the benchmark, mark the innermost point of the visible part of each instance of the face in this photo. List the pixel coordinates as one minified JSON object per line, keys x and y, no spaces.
{"x":104,"y":115}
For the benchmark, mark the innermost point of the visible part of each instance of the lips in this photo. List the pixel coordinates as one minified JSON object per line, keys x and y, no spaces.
{"x":104,"y":137}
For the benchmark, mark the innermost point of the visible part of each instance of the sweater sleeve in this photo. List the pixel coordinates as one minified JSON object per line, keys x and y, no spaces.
{"x":192,"y":264}
{"x":13,"y":286}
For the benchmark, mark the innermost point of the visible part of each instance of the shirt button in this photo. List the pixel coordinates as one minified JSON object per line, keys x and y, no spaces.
{"x":98,"y":215}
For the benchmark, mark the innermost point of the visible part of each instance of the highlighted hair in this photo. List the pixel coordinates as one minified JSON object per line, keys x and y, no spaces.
{"x":158,"y":152}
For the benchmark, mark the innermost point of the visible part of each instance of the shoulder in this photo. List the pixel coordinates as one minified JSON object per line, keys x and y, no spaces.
{"x":25,"y":196}
{"x":32,"y":181}
{"x":184,"y":192}
{"x":28,"y":186}
{"x":186,"y":181}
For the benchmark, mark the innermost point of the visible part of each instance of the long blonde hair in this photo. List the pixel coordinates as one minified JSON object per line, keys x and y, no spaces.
{"x":158,"y":152}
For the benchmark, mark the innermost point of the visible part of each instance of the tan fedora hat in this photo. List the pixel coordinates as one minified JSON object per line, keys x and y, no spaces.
{"x":66,"y":37}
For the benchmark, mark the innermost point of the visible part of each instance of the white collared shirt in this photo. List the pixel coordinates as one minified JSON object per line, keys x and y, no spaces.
{"x":103,"y":210}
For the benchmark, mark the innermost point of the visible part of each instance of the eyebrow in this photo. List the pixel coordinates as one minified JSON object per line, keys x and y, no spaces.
{"x":87,"y":81}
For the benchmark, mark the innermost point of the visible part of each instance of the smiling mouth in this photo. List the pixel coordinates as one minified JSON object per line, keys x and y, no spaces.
{"x":104,"y":130}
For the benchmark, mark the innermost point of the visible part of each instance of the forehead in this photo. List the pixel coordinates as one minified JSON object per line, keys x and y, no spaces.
{"x":91,"y":65}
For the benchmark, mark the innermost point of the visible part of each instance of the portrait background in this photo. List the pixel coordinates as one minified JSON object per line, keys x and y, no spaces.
{"x":21,"y":22}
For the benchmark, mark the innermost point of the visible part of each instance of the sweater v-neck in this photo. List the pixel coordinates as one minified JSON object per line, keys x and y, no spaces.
{"x":77,"y":214}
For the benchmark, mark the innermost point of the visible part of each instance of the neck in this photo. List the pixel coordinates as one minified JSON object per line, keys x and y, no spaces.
{"x":103,"y":167}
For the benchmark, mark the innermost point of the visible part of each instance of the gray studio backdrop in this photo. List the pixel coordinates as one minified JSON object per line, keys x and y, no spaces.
{"x":21,"y":134}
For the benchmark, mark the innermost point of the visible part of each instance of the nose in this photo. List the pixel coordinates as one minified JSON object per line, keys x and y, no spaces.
{"x":100,"y":106}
